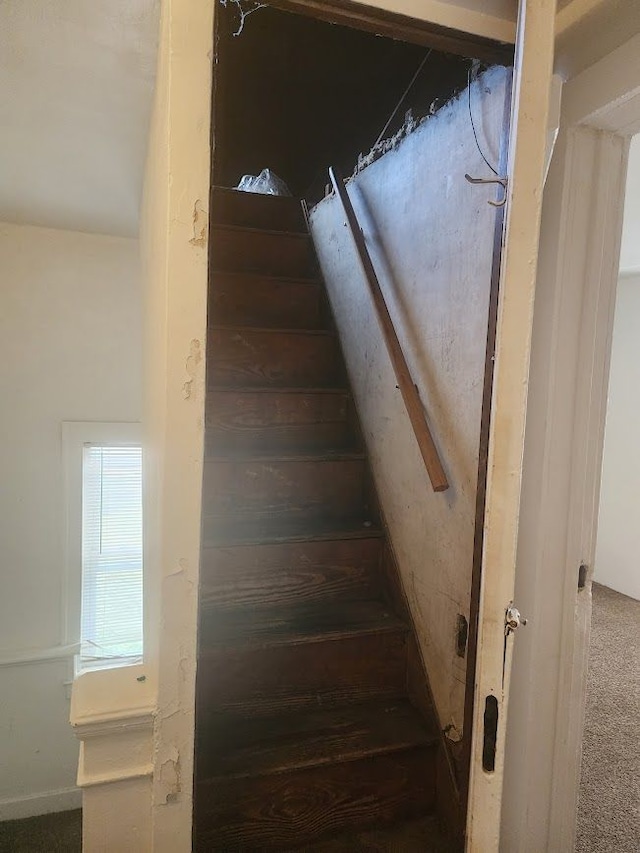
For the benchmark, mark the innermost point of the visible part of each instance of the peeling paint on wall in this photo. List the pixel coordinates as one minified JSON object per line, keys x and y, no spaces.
{"x":169,"y":783}
{"x":200,"y":225}
{"x":181,"y":567}
{"x":193,"y":360}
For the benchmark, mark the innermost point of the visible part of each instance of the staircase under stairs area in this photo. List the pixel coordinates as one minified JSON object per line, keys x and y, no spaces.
{"x":314,"y":729}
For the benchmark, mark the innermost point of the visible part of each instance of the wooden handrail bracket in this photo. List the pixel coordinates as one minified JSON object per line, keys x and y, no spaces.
{"x":406,"y":385}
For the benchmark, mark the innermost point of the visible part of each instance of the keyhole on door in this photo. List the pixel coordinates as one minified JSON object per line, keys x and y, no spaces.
{"x":490,"y":734}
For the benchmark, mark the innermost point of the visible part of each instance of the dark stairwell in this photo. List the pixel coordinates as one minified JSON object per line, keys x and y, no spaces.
{"x":313,"y":716}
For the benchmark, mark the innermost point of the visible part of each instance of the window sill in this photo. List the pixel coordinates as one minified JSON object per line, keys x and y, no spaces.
{"x":118,"y":693}
{"x":83,"y":665}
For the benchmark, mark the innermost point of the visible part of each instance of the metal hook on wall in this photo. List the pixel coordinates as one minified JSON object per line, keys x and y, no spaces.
{"x":502,"y":181}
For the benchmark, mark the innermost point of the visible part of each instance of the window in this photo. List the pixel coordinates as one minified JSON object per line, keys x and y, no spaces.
{"x":104,"y":534}
{"x":111,"y":624}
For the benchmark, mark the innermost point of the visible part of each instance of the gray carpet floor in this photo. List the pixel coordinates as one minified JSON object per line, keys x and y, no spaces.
{"x":609,"y":805}
{"x":49,"y":833}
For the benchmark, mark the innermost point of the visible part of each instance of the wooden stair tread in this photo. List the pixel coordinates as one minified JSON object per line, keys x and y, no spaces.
{"x":286,"y":810}
{"x":414,"y":836}
{"x":289,"y":442}
{"x":249,"y":230}
{"x":295,"y":625}
{"x":272,"y":330}
{"x":304,"y":726}
{"x":311,"y":280}
{"x":261,"y":746}
{"x":266,"y":455}
{"x":287,"y":529}
{"x":284,"y":389}
{"x":219,"y":191}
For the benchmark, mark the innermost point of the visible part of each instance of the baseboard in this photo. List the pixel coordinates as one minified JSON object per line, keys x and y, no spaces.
{"x":36,"y":804}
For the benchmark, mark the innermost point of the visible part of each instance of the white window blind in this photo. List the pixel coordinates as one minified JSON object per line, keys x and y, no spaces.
{"x":111,"y":623}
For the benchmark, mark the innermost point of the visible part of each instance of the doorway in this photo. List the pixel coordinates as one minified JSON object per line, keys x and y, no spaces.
{"x":571,"y":348}
{"x":353,"y":100}
{"x":608,"y":816}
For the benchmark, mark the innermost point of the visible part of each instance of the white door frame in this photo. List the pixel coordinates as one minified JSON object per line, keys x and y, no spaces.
{"x":573,"y":323}
{"x":527,"y":156}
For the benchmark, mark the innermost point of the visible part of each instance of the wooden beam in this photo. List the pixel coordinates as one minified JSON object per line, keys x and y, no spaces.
{"x":405,"y":382}
{"x":400,"y":27}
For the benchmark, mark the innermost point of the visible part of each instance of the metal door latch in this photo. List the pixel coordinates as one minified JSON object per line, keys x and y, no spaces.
{"x":512,"y":620}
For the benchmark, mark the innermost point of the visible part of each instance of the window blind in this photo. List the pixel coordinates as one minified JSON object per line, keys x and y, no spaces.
{"x":111,"y":622}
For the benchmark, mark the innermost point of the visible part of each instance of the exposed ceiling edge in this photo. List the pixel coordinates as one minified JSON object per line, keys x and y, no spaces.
{"x":104,"y":235}
{"x":589,"y":30}
{"x":469,"y":17}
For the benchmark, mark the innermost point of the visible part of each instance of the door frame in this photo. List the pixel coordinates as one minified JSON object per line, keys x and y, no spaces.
{"x":572,"y":332}
{"x":446,"y":38}
{"x":440,"y":36}
{"x":532,"y":87}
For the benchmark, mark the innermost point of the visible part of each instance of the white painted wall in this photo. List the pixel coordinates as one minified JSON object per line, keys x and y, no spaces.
{"x":630,"y":250}
{"x":144,"y":716}
{"x":617,"y":563}
{"x":76,"y":87}
{"x":573,"y":321}
{"x":430,"y":235}
{"x":70,"y":341}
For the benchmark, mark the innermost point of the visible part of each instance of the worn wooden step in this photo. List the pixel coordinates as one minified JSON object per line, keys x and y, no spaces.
{"x":422,"y":835}
{"x":276,"y":812}
{"x":334,"y":486}
{"x":255,"y":210}
{"x":247,"y":299}
{"x":236,"y":248}
{"x":270,"y":675}
{"x":288,"y":626}
{"x":246,"y":747}
{"x":285,"y":528}
{"x":290,"y":574}
{"x":298,"y":420}
{"x":243,"y":356}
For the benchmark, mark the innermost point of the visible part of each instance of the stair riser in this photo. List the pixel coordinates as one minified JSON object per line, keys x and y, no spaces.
{"x":242,"y":357}
{"x":239,"y":300}
{"x":261,"y":681}
{"x":238,"y":421}
{"x":287,"y":255}
{"x":254,"y":210}
{"x":281,"y":811}
{"x":305,"y":573}
{"x":292,"y":489}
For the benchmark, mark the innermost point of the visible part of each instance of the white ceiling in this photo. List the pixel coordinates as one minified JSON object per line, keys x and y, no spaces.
{"x":76,"y":87}
{"x":630,"y":252}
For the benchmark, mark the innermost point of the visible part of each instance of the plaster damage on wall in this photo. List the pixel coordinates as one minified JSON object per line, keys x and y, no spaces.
{"x":191,"y":366}
{"x":168,"y":786}
{"x":430,"y":235}
{"x":200,"y":225}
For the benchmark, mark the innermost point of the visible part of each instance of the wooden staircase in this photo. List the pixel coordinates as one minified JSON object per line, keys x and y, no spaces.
{"x":313,"y":718}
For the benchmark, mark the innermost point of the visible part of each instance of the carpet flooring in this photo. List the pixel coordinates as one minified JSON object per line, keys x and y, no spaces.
{"x":609,"y":805}
{"x":49,"y":833}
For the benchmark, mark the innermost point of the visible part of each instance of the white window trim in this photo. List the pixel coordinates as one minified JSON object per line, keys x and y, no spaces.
{"x":75,"y":434}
